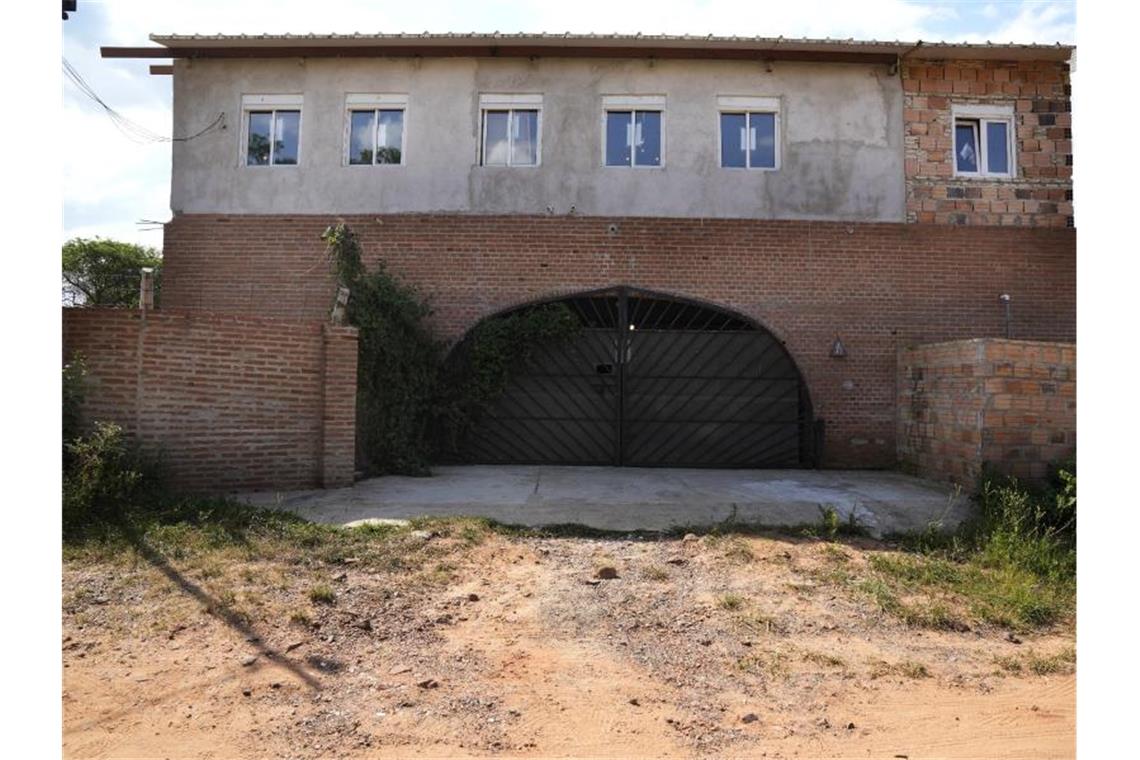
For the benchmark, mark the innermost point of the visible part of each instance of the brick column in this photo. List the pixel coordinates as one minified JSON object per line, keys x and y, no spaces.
{"x":338,"y":452}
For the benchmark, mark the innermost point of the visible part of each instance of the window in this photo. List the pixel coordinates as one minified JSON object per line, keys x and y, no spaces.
{"x":375,"y":127}
{"x":511,"y":130}
{"x":983,"y":141}
{"x":749,"y":132}
{"x":271,"y":130}
{"x":631,"y":129}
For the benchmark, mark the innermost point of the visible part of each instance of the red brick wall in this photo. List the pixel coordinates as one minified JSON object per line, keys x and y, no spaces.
{"x":1042,"y":192}
{"x":231,"y":402}
{"x":1008,"y":403}
{"x":877,"y":286}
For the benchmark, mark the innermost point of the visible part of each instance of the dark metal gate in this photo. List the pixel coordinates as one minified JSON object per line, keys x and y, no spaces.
{"x":650,"y":381}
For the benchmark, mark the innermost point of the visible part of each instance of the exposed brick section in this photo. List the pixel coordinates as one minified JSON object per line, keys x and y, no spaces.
{"x":877,"y":286}
{"x":338,"y":419}
{"x":962,"y":404}
{"x":230,"y":401}
{"x":1041,"y":193}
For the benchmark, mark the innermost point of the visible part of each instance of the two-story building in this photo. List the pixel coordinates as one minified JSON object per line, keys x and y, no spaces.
{"x":749,"y":229}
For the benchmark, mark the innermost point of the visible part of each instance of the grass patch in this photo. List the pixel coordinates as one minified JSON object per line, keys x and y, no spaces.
{"x":730,"y":601}
{"x":1037,"y":664}
{"x":824,"y":659}
{"x":906,"y":668}
{"x":1014,"y":566}
{"x":322,"y":594}
{"x":772,"y":664}
{"x":655,"y":573}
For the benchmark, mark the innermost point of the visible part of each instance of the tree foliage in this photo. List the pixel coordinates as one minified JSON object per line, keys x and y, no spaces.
{"x":102,"y":272}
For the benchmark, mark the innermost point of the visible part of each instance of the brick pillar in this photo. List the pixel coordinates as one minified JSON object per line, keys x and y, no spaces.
{"x":338,"y":453}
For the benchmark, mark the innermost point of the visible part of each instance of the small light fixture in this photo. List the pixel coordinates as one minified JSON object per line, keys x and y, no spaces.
{"x":838,"y":350}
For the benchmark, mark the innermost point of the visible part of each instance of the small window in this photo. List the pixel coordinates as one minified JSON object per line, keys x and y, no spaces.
{"x":272,"y":130}
{"x":375,"y":129}
{"x":511,"y":130}
{"x":749,"y":133}
{"x":983,"y":141}
{"x":632,"y":130}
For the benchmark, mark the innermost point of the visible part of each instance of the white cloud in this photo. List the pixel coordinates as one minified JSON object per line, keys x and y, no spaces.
{"x":1034,"y":22}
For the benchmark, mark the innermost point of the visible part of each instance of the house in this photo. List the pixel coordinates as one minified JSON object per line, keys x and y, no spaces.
{"x":749,"y":229}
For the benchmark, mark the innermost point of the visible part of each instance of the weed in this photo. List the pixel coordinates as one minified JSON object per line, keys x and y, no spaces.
{"x":300,"y":617}
{"x":834,"y":553}
{"x":826,"y":660}
{"x":773,"y":664}
{"x":322,"y":594}
{"x":906,"y":668}
{"x":655,"y":573}
{"x":1041,"y":665}
{"x":730,"y":601}
{"x":738,"y":550}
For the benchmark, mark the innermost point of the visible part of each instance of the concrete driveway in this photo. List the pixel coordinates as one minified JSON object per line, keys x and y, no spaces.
{"x":626,"y":498}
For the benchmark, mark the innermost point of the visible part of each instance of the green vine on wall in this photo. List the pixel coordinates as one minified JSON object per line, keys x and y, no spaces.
{"x":412,"y":406}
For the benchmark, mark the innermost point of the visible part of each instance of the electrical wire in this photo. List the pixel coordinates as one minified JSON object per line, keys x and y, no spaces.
{"x":131,"y":130}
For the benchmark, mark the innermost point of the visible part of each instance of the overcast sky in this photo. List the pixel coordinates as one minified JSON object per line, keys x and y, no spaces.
{"x":113,"y":182}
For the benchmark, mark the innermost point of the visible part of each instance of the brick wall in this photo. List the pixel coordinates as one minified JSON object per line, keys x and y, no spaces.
{"x":1041,"y":194}
{"x":877,"y":286}
{"x":231,"y":402}
{"x":1008,"y":403}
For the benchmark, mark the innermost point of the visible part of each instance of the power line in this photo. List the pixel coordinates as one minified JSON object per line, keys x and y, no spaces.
{"x":131,"y":130}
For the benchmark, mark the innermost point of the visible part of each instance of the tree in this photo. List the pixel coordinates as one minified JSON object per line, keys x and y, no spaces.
{"x":101,"y":272}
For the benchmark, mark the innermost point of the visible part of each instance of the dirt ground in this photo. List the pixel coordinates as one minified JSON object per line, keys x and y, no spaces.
{"x":509,"y":646}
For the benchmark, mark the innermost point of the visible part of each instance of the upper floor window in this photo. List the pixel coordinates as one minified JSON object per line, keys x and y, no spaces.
{"x":272,"y":129}
{"x":749,"y":132}
{"x":375,"y":126}
{"x":632,"y":130}
{"x":983,"y":141}
{"x":511,"y":130}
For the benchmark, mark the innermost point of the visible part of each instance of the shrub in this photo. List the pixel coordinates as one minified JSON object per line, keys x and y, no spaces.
{"x":103,"y":476}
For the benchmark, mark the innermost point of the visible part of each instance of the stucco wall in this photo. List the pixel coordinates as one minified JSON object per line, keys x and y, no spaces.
{"x":841,"y":147}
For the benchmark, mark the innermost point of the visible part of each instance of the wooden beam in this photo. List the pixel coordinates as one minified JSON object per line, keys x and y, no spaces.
{"x":161,"y":70}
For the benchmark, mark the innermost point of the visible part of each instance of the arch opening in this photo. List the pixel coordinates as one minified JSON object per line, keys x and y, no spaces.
{"x":649,"y":380}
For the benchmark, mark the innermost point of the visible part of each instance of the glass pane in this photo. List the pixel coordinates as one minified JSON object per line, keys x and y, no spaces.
{"x":257,"y":153}
{"x":495,"y":138}
{"x":525,"y":137}
{"x":762,"y":140}
{"x":966,"y":147}
{"x":619,"y":136}
{"x":360,"y":137}
{"x":389,"y":137}
{"x":997,"y":147}
{"x":733,"y":140}
{"x":286,"y":133}
{"x":647,"y":138}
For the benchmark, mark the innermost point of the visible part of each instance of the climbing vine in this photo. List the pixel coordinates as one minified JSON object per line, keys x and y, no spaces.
{"x":412,"y":406}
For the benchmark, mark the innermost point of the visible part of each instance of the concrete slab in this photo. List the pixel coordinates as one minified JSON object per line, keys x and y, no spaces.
{"x":627,"y":498}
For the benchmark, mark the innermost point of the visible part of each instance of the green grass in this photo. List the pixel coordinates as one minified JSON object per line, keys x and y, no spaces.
{"x":322,"y":594}
{"x":1014,"y":566}
{"x":1037,"y":664}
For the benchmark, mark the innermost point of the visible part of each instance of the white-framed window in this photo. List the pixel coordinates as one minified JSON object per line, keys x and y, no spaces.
{"x":749,"y":129}
{"x":633,"y":132}
{"x":510,"y":130}
{"x":984,"y":144}
{"x":271,"y":130}
{"x":375,"y":128}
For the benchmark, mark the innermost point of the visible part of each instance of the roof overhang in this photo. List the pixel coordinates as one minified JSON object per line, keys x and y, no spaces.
{"x":574,"y":46}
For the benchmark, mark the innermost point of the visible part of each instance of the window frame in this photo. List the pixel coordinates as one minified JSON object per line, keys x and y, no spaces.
{"x":979,"y":116}
{"x":509,"y":103}
{"x":633,"y":104}
{"x":748,"y":105}
{"x":272,"y":103}
{"x":374,"y":102}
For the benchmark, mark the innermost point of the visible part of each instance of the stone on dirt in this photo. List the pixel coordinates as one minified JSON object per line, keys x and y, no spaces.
{"x":749,"y":718}
{"x":606,"y":573}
